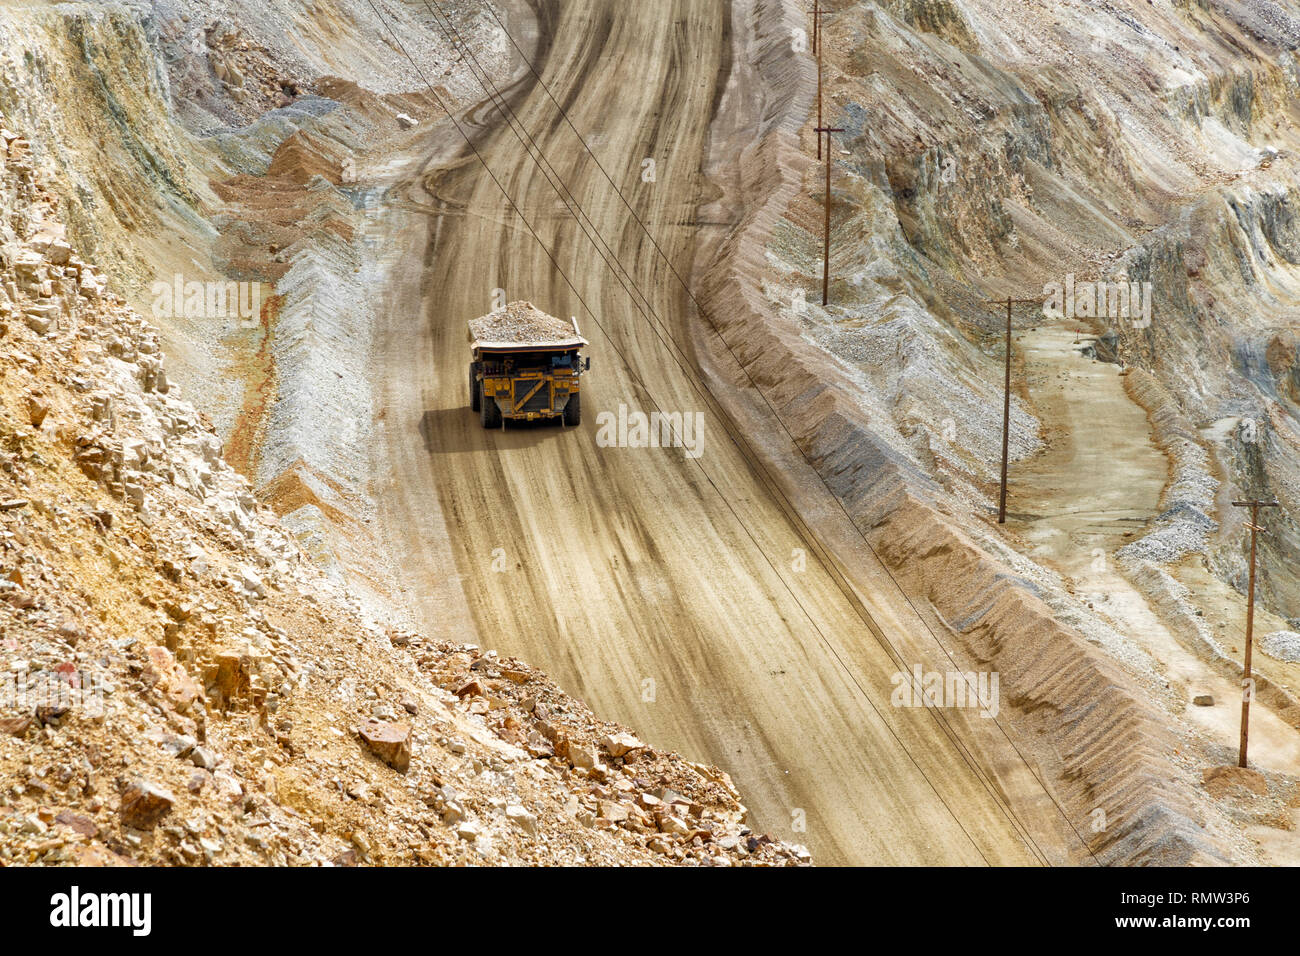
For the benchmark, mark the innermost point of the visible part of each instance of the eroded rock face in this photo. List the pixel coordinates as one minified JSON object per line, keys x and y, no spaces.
{"x":945,"y":188}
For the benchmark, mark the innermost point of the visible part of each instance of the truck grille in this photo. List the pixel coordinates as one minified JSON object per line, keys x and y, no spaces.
{"x":540,"y":402}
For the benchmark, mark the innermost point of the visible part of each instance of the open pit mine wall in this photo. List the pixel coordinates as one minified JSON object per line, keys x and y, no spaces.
{"x":1229,"y":359}
{"x":1050,"y":164}
{"x":1169,"y":159}
{"x":1054,"y":162}
{"x":94,"y":84}
{"x":86,"y":84}
{"x":172,"y":151}
{"x":1161,"y":150}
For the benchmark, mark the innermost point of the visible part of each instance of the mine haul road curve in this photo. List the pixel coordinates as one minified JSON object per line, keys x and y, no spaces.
{"x":657,"y":588}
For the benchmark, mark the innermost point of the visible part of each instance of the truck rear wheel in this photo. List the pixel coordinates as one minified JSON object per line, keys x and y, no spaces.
{"x":489,"y":414}
{"x":475,"y":400}
{"x":573,"y":410}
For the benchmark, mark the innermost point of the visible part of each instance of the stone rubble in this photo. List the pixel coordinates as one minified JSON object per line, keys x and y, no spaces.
{"x":520,"y":322}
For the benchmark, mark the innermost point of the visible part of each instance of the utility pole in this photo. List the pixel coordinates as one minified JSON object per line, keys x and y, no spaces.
{"x":1006,"y":424}
{"x":1246,"y":692}
{"x":826,"y":245}
{"x":817,"y":16}
{"x":1006,"y":407}
{"x":819,"y":106}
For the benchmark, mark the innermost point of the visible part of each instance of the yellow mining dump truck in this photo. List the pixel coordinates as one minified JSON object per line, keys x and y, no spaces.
{"x":525,"y":366}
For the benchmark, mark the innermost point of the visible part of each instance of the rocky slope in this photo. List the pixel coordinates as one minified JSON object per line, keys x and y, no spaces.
{"x":223,"y":142}
{"x":182,"y":685}
{"x":987,"y":155}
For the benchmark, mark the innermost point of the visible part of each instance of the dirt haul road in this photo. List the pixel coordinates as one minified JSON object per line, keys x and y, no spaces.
{"x":658,"y":587}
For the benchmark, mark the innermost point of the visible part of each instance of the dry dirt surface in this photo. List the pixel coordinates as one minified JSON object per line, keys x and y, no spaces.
{"x":677,"y":594}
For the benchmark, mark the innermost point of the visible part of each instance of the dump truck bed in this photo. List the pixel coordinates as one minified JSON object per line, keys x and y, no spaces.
{"x":522,"y":327}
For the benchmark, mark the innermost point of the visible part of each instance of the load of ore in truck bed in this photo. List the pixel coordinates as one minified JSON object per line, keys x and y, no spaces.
{"x":521,"y":323}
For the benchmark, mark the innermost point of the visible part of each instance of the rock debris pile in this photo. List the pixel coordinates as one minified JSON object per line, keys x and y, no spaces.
{"x":521,"y":322}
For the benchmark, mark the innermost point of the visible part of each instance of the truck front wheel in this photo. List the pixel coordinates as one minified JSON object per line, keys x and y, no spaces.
{"x":489,"y":414}
{"x":474,"y":397}
{"x":573,"y":410}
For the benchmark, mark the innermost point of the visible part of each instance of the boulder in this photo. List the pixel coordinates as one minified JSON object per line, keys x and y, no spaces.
{"x":614,"y":811}
{"x":15,"y":726}
{"x":144,"y":804}
{"x":390,"y":742}
{"x":621,"y":744}
{"x":58,"y":252}
{"x":227,"y":786}
{"x":522,"y":819}
{"x":171,"y":679}
{"x":78,"y":823}
{"x":251,"y":583}
{"x":40,"y":318}
{"x":583,"y":756}
{"x":38,"y":407}
{"x":232,"y":682}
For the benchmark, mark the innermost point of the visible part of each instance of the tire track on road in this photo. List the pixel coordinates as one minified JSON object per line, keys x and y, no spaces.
{"x":609,"y":587}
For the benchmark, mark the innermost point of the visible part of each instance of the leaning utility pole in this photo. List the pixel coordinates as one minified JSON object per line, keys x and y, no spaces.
{"x":1246,"y":691}
{"x":1006,"y":407}
{"x":826,"y":244}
